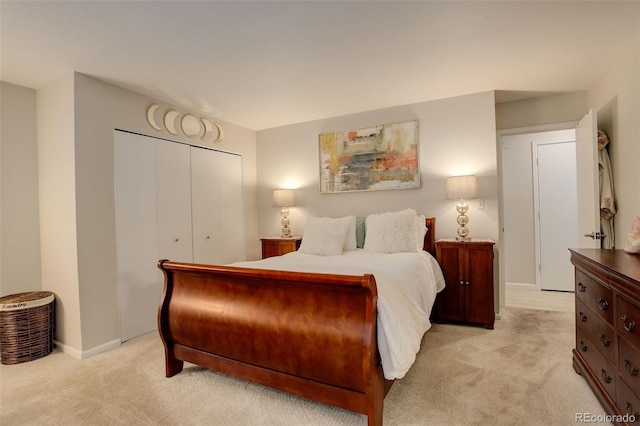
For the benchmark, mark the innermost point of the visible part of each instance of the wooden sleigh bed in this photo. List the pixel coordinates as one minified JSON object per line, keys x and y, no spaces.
{"x":309,"y":334}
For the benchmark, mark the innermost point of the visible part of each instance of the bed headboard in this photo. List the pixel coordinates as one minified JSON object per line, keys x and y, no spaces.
{"x":430,"y":238}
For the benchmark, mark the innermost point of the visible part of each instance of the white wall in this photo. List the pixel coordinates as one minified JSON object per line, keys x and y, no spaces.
{"x":19,"y":220}
{"x":457,"y":136}
{"x":76,"y":120}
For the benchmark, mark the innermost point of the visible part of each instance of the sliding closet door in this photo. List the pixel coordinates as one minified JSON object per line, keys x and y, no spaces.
{"x":174,"y":201}
{"x":139,"y":280}
{"x":216,"y":197}
{"x":231,"y":210}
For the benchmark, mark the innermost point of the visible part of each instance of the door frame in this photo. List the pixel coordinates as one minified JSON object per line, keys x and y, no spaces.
{"x":501,"y":252}
{"x":536,"y":201}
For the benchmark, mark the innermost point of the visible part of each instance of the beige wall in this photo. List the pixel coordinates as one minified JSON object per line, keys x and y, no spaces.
{"x":457,"y":136}
{"x":19,"y":221}
{"x":57,"y":195}
{"x":541,"y":110}
{"x":616,"y":100}
{"x":76,"y":119}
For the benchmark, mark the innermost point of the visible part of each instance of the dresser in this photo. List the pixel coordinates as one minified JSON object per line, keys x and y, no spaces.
{"x":607,"y":352}
{"x":468,"y":272}
{"x":277,"y":246}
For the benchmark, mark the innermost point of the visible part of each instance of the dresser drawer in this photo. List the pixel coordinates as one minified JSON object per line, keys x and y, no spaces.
{"x":627,"y":401}
{"x":629,"y":321}
{"x":603,"y":371}
{"x":629,"y":365}
{"x":595,"y":296}
{"x":598,"y":331}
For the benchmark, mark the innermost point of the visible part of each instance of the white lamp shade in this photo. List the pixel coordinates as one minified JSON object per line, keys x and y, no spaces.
{"x":284,"y":198}
{"x":461,"y":187}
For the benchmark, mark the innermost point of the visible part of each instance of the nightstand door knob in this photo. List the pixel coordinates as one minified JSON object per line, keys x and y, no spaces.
{"x":461,"y":282}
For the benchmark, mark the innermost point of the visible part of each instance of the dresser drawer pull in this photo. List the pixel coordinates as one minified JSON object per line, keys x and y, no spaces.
{"x":605,"y":377}
{"x":629,"y":408}
{"x":604,"y":305}
{"x":581,"y":288}
{"x":583,"y":317}
{"x":583,"y":347}
{"x":631,"y":370}
{"x":604,"y":340}
{"x":629,"y":326}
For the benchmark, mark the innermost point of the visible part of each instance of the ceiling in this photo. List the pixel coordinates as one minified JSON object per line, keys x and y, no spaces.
{"x":270,"y":63}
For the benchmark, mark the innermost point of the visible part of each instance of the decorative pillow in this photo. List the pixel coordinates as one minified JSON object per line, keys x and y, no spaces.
{"x":350,"y":243}
{"x":392,"y":232}
{"x":360,"y":232}
{"x":324,"y":236}
{"x":633,"y":240}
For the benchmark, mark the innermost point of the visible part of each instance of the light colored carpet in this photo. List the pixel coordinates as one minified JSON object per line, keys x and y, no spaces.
{"x":518,"y":374}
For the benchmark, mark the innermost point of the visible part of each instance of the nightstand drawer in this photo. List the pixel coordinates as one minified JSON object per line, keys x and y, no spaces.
{"x":595,"y":296}
{"x":600,"y":333}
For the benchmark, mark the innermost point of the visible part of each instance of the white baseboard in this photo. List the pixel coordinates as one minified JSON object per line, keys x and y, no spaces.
{"x":521,"y":286}
{"x":91,"y":352}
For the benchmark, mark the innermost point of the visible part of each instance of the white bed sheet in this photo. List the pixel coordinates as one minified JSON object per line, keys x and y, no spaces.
{"x":407,"y":286}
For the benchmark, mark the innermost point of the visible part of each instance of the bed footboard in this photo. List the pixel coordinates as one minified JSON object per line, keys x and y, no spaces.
{"x":312,"y":335}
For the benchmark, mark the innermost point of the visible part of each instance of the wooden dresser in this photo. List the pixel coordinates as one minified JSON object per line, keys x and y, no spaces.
{"x":607,"y":353}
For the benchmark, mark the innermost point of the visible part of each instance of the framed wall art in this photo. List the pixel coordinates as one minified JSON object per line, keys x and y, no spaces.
{"x":370,"y":159}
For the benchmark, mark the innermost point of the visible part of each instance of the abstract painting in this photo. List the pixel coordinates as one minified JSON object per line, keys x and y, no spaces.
{"x":370,"y":159}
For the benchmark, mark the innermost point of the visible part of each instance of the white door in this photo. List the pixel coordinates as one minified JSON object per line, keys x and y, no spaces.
{"x":217,"y":203}
{"x":139,"y":281}
{"x":232,"y":209}
{"x":556,"y":208}
{"x":205,"y":198}
{"x":174,"y":201}
{"x":587,"y":182}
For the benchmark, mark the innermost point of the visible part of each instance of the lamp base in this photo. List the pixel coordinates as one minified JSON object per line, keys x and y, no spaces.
{"x":286,"y":231}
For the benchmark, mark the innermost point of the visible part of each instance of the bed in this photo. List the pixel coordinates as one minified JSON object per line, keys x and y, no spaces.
{"x":290,"y":323}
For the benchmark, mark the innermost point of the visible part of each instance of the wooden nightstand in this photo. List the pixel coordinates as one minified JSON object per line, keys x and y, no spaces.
{"x":468,"y":272}
{"x":277,"y":246}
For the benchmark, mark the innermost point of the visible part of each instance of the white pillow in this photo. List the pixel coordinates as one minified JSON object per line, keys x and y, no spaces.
{"x":392,"y":232}
{"x":324,"y":236}
{"x":350,"y":243}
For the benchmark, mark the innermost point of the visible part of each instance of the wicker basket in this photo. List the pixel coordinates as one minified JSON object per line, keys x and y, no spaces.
{"x":26,"y":326}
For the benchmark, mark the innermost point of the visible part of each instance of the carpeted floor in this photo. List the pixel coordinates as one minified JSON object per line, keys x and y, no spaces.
{"x":518,"y":374}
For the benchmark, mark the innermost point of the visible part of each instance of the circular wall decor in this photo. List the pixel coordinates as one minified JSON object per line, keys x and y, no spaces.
{"x":190,"y":125}
{"x":170,"y":121}
{"x":151,"y":116}
{"x":212,"y":131}
{"x":184,"y":124}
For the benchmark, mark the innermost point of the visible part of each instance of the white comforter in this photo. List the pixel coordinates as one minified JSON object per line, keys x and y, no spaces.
{"x":407,"y":286}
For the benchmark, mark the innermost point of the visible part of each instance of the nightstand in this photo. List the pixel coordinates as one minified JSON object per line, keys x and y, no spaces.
{"x":277,"y":246}
{"x":468,"y":272}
